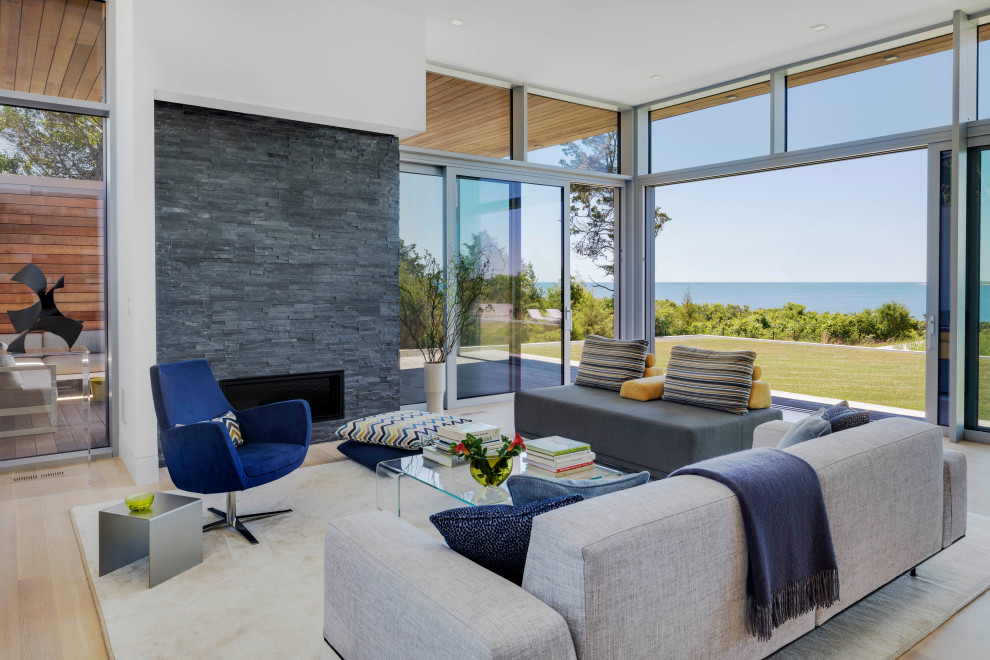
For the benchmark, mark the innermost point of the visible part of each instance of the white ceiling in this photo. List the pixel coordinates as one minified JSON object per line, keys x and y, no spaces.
{"x":609,"y":50}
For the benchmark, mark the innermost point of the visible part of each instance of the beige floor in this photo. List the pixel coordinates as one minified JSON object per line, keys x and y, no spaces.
{"x":47,"y":610}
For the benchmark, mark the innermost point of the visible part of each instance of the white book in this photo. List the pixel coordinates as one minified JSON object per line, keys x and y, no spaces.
{"x":459,"y":432}
{"x":443,"y":458}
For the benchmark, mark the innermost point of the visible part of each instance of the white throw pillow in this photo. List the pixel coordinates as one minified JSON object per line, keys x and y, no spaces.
{"x":9,"y":380}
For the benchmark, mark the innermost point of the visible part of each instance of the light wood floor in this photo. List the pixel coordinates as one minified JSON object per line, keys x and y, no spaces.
{"x":47,"y":609}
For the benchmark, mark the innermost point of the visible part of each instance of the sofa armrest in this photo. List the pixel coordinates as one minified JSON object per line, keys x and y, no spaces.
{"x":392,"y":591}
{"x":770,"y":433}
{"x":954,"y":505}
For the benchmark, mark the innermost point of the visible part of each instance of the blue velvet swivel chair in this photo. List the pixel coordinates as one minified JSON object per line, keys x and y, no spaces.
{"x":200,"y":455}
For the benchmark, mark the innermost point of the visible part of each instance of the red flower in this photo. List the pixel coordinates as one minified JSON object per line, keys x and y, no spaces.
{"x":462,"y":449}
{"x":517,"y":442}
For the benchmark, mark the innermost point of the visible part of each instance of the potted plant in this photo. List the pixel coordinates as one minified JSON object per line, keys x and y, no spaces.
{"x":489,"y":469}
{"x":435,"y":308}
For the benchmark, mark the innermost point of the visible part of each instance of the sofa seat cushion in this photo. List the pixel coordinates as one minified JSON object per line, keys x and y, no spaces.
{"x":36,"y":390}
{"x":371,"y":455}
{"x":263,"y":458}
{"x":70,"y":364}
{"x":659,"y":436}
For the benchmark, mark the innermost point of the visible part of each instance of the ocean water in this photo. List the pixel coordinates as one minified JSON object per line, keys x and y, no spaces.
{"x":848,"y":297}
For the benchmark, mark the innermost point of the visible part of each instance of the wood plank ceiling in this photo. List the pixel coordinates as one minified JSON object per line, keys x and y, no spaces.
{"x":53,"y":47}
{"x":466,"y":117}
{"x":473,"y":118}
{"x":552,"y":122}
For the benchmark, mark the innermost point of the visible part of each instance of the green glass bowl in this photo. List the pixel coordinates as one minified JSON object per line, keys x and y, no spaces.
{"x":139,"y":502}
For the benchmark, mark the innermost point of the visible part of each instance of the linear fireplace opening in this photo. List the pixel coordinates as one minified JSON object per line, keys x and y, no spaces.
{"x":324,"y":390}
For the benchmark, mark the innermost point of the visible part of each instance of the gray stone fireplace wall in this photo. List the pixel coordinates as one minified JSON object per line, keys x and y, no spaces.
{"x":277,"y":248}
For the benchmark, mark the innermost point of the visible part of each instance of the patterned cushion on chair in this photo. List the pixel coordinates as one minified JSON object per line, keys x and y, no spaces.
{"x":403,"y":429}
{"x":229,"y":420}
{"x":607,"y":363}
{"x":495,"y":536}
{"x":711,"y":379}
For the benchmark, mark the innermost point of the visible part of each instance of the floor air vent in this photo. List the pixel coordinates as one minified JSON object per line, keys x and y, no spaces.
{"x":43,"y":475}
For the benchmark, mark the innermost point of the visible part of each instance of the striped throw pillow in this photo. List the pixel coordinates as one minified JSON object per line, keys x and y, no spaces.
{"x":711,"y":379}
{"x":607,"y":363}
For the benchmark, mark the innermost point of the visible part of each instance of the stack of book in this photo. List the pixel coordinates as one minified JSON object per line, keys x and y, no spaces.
{"x":558,"y":457}
{"x":449,"y":436}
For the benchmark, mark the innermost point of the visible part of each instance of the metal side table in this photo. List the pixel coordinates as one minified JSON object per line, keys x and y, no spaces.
{"x":170,"y":534}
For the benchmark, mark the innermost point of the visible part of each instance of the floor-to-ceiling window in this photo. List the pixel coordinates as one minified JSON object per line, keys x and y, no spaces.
{"x":421,"y":255}
{"x":53,"y":217}
{"x":896,"y":90}
{"x":515,"y":339}
{"x":819,"y":269}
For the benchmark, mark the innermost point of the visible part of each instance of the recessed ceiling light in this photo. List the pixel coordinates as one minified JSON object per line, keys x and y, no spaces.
{"x":456,"y":21}
{"x":656,"y":76}
{"x":819,"y":27}
{"x":537,"y":146}
{"x":891,"y":58}
{"x":731,"y":97}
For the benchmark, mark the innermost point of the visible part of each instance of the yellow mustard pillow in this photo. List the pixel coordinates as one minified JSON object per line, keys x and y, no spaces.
{"x":651,"y":372}
{"x":651,"y":360}
{"x":643,"y":389}
{"x":757,"y":372}
{"x":759,"y":395}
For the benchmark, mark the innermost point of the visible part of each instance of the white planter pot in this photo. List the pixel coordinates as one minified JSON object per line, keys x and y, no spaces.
{"x":435,"y":375}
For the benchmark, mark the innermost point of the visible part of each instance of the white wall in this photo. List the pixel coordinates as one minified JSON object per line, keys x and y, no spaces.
{"x":335,"y":62}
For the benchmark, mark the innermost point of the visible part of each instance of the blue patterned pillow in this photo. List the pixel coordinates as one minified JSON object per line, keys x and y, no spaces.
{"x":526,"y":488}
{"x":403,"y":429}
{"x":495,"y":536}
{"x":842,"y":417}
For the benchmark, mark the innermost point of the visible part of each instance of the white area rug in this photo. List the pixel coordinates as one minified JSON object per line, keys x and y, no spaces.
{"x":266,"y":601}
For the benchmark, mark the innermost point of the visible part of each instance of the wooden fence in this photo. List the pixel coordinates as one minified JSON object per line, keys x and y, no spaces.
{"x":60,"y":226}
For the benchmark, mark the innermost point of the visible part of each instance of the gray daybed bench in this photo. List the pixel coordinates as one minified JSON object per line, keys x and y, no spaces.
{"x":658,"y":436}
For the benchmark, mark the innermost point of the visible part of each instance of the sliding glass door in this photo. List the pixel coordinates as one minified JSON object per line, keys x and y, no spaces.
{"x":977,"y":347}
{"x":514,"y":340}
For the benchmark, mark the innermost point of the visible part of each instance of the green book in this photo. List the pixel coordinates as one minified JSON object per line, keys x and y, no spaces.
{"x":556,"y":446}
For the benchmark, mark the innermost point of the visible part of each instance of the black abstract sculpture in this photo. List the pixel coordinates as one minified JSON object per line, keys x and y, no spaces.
{"x":44,"y":314}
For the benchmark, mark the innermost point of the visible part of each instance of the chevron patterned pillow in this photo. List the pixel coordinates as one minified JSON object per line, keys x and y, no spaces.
{"x":403,"y":429}
{"x":229,"y":420}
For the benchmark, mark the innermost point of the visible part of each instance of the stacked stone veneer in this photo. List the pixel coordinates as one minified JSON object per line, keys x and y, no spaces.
{"x":277,"y":249}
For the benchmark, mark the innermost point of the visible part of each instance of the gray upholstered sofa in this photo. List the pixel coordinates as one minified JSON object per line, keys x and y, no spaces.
{"x":657,"y":571}
{"x":659,"y":436}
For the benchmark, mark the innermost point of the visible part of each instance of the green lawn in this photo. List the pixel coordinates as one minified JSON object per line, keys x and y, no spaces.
{"x":889,"y":378}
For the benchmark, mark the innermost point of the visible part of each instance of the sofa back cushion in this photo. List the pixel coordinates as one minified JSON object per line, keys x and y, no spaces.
{"x":32,"y":340}
{"x":712,"y":379}
{"x":883,"y":491}
{"x":607,"y":363}
{"x":656,"y":571}
{"x":94,"y":340}
{"x":660,"y":570}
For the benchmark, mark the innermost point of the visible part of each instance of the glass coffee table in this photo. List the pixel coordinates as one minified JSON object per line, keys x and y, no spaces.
{"x":417,"y":486}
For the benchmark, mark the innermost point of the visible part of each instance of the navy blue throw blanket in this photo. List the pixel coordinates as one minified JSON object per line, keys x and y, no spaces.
{"x":792,"y":567}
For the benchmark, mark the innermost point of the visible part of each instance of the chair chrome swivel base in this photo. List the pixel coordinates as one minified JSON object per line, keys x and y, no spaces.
{"x":230,"y":518}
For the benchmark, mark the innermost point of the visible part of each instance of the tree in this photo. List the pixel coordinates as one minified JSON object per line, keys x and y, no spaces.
{"x":54,"y":144}
{"x":434,"y":311}
{"x":593,"y":207}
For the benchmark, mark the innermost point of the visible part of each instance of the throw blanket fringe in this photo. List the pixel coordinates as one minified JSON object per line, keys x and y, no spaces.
{"x":792,"y":601}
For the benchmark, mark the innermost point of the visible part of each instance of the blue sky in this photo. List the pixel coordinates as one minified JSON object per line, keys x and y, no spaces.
{"x":853,"y":221}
